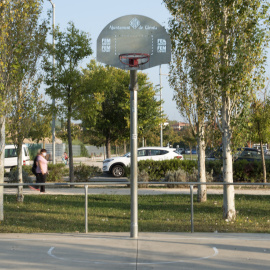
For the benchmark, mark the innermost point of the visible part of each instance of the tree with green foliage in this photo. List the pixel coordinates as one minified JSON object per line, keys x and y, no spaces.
{"x":5,"y":18}
{"x":237,"y":33}
{"x":31,"y":36}
{"x":189,"y":71}
{"x":41,"y":122}
{"x":240,"y":34}
{"x":170,"y":135}
{"x":149,"y":115}
{"x":106,"y":91}
{"x":22,"y":42}
{"x":65,"y":79}
{"x":260,"y":126}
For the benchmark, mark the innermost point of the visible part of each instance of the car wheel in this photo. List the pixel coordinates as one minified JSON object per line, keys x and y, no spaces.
{"x":118,"y":171}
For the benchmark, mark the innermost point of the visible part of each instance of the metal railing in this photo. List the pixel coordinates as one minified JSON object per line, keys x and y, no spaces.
{"x":87,"y":184}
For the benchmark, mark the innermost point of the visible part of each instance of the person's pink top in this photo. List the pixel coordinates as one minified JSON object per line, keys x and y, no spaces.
{"x":43,"y":164}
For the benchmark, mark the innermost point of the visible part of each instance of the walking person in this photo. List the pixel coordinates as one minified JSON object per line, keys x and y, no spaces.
{"x":65,"y":158}
{"x":42,"y":168}
{"x":34,"y":168}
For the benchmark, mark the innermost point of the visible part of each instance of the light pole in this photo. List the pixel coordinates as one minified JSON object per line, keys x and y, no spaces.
{"x":161,"y":125}
{"x":53,"y":100}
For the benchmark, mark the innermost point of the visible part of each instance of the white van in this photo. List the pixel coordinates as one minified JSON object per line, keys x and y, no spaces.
{"x":11,"y":157}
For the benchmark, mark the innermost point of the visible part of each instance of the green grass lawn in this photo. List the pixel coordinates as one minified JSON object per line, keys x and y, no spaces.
{"x":111,"y":213}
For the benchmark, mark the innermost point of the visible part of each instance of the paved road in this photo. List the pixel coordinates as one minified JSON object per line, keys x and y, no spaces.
{"x":114,"y":251}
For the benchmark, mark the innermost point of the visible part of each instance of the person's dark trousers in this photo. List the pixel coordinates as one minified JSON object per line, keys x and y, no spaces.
{"x":41,"y":178}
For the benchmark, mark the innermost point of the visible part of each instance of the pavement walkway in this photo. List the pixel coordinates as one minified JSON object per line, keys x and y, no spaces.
{"x":126,"y":191}
{"x":114,"y":251}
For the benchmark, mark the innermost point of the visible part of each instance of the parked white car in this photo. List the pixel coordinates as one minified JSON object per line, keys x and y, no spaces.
{"x":116,"y":165}
{"x":11,"y":156}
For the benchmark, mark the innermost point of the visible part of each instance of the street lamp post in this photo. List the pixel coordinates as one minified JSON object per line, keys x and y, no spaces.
{"x":161,"y":125}
{"x":53,"y":100}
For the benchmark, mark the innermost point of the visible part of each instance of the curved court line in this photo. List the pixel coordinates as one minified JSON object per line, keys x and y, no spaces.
{"x":50,"y":253}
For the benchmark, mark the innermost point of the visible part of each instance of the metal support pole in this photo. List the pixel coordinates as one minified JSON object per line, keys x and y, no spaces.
{"x":133,"y":164}
{"x":53,"y":100}
{"x":86,"y":208}
{"x":191,"y":206}
{"x":161,"y":125}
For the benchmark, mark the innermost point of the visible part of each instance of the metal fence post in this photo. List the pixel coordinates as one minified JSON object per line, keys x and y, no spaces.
{"x":86,"y":208}
{"x":191,"y":206}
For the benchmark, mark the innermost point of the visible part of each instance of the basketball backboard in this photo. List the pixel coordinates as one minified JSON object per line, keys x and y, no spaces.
{"x":134,"y":34}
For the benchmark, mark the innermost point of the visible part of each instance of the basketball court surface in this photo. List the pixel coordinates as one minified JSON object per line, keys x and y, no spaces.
{"x":150,"y":251}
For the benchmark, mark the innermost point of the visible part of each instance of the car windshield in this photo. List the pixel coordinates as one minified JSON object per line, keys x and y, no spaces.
{"x":127,"y":154}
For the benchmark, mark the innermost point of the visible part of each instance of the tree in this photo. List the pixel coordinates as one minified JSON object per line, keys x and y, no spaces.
{"x":189,"y":138}
{"x":41,"y":122}
{"x":259,"y":126}
{"x":237,"y":35}
{"x":106,"y":91}
{"x":21,"y":44}
{"x":170,"y":135}
{"x":4,"y":93}
{"x":189,"y":71}
{"x":64,"y":80}
{"x":149,"y":116}
{"x":240,"y":34}
{"x":31,"y":36}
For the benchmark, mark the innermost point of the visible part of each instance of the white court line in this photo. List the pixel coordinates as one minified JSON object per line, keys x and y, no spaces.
{"x":121,"y":263}
{"x":139,"y":238}
{"x":213,"y":237}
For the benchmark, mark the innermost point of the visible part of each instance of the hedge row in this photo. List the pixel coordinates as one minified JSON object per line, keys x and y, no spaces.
{"x":243,"y":170}
{"x":82,"y":173}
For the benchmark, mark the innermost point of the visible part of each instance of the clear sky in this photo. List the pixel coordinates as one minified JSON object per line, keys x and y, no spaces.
{"x":92,"y":16}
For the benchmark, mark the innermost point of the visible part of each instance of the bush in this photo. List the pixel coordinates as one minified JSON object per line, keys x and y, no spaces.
{"x":243,"y":170}
{"x":28,"y":169}
{"x":58,"y":166}
{"x":143,"y":177}
{"x":55,"y":175}
{"x":175,"y":176}
{"x":13,"y":176}
{"x":57,"y":172}
{"x":83,"y":173}
{"x":158,"y":169}
{"x":214,"y":167}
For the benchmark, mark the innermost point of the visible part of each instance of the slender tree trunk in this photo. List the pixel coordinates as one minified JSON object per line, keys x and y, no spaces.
{"x":71,"y":169}
{"x":263,"y":162}
{"x":228,"y":190}
{"x":202,"y":190}
{"x":108,"y":147}
{"x":2,"y":168}
{"x":125,"y":147}
{"x":20,"y":195}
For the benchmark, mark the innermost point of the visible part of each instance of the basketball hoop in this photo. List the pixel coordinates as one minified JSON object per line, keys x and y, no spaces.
{"x":134,"y":59}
